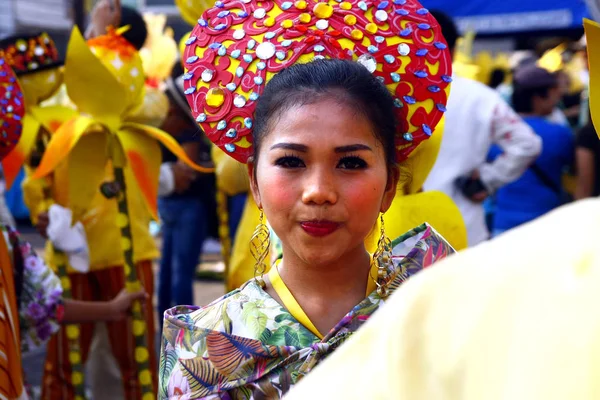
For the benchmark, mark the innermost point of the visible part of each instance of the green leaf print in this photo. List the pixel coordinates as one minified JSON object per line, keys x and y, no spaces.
{"x":227,"y":324}
{"x":265,"y":335}
{"x":168,"y":360}
{"x":254,"y":319}
{"x":288,"y":336}
{"x":285,"y":316}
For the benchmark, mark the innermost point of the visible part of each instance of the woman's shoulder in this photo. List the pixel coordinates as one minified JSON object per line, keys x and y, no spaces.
{"x":420,"y":247}
{"x":246,"y":312}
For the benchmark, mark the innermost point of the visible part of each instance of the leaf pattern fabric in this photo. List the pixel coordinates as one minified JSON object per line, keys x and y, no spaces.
{"x":245,"y":345}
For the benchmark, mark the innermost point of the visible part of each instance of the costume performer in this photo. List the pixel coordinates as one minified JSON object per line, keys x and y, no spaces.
{"x":320,"y":62}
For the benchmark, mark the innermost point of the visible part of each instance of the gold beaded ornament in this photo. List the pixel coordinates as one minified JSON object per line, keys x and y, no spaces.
{"x":238,"y":45}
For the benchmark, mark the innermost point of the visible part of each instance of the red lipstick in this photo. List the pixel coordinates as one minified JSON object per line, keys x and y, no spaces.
{"x":319,"y":228}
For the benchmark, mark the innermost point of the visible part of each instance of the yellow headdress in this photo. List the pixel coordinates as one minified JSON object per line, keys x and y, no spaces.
{"x":106,"y":82}
{"x":36,"y":62}
{"x":191,"y":10}
{"x":158,"y":55}
{"x":592,"y":34}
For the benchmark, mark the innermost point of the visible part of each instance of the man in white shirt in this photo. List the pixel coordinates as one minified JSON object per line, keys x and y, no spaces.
{"x":478,"y":117}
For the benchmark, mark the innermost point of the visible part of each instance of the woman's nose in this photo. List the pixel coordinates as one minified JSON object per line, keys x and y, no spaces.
{"x":319,"y":188}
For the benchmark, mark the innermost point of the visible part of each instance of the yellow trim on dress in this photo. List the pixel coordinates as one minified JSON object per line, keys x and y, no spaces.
{"x":289,"y":301}
{"x":291,"y":304}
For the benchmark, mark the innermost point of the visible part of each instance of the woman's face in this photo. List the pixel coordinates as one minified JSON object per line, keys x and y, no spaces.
{"x":322,"y":179}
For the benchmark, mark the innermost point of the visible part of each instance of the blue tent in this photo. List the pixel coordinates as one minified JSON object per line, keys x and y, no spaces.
{"x":489,"y":17}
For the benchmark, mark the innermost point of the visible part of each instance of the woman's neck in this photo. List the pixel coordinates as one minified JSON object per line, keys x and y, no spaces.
{"x":327,"y":293}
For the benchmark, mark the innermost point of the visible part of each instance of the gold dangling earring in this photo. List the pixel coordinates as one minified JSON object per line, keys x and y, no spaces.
{"x":382,"y":258}
{"x":259,"y":248}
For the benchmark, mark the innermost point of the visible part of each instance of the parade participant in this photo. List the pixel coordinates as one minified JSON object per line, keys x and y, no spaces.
{"x":478,"y":118}
{"x":105,"y":276}
{"x":116,"y":229}
{"x":322,"y":140}
{"x":31,"y":297}
{"x":183,"y":211}
{"x":539,"y":190}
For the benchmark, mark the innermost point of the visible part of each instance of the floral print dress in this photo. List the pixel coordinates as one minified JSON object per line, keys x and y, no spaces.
{"x":30,"y":308}
{"x":245,"y":345}
{"x":40,"y":300}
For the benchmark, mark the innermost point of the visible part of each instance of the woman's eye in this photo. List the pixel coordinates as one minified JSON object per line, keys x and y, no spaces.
{"x":289,"y":162}
{"x":352,"y":163}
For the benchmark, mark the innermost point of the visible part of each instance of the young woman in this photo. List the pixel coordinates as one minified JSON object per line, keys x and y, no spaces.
{"x":322,"y":141}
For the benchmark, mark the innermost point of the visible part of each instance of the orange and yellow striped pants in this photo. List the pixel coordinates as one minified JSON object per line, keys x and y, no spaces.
{"x":101,"y":285}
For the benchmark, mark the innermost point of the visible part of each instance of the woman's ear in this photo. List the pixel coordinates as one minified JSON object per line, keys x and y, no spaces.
{"x":253,"y":183}
{"x":390,"y":189}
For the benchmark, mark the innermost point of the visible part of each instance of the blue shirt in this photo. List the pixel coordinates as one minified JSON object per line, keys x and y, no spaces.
{"x":528,"y":197}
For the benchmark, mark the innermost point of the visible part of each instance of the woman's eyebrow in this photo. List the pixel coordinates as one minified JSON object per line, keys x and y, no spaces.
{"x":290,"y":146}
{"x":352,"y":147}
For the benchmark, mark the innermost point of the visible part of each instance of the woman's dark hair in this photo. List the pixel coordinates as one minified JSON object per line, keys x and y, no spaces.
{"x":449,"y":29}
{"x":522,"y":97}
{"x":497,"y":77}
{"x":345,"y":81}
{"x":138,"y":32}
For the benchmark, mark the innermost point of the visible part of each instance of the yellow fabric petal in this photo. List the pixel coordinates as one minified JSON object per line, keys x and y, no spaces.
{"x":13,"y":162}
{"x":86,"y":166}
{"x":191,"y":10}
{"x":414,"y":171}
{"x":232,"y":175}
{"x":143,"y":159}
{"x":53,"y":117}
{"x":41,"y":85}
{"x":592,"y":33}
{"x":434,"y":207}
{"x":61,"y":144}
{"x":167,"y":141}
{"x":91,"y":86}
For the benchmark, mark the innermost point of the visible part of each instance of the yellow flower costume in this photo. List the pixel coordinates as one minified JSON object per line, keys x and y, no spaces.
{"x":100,"y":149}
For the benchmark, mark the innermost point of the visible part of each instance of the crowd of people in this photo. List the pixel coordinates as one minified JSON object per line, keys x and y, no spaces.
{"x":334,"y":153}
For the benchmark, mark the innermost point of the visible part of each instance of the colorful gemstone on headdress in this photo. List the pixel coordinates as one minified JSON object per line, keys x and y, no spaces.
{"x":368,"y":61}
{"x":27,"y":54}
{"x":239,"y":34}
{"x":239,"y":101}
{"x":398,"y":41}
{"x":215,"y":97}
{"x":207,"y":75}
{"x":11,"y":110}
{"x":231,"y":133}
{"x":426,"y":129}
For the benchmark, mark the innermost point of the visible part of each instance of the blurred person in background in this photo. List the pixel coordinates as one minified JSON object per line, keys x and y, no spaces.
{"x":477,"y":117}
{"x":539,"y":190}
{"x":111,"y":369}
{"x":183,"y":209}
{"x":587,"y":158}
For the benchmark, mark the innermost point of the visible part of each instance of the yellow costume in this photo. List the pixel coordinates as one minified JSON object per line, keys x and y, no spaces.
{"x":117,"y":217}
